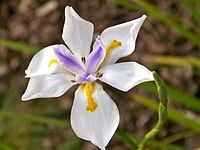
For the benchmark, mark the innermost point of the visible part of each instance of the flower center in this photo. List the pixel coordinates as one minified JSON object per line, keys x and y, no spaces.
{"x":92,"y":105}
{"x":86,"y":78}
{"x":73,"y":66}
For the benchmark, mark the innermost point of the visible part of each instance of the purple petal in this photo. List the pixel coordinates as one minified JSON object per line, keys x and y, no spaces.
{"x":68,"y":60}
{"x":96,"y":56}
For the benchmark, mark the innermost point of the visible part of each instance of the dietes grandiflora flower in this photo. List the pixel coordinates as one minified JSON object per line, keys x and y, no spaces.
{"x":56,"y":68}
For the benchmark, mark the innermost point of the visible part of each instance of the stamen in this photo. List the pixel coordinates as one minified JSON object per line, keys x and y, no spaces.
{"x":53,"y":61}
{"x":92,"y":105}
{"x":113,"y":44}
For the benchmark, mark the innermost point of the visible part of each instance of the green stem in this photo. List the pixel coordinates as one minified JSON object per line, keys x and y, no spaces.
{"x":162,"y":111}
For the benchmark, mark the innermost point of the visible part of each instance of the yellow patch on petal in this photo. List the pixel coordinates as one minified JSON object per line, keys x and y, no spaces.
{"x":92,"y":105}
{"x":113,"y":44}
{"x":53,"y":61}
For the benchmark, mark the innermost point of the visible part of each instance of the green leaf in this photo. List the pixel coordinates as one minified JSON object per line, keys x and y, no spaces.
{"x":18,"y":46}
{"x":163,"y":146}
{"x":127,"y":138}
{"x":175,"y":60}
{"x":191,"y":6}
{"x":178,"y":136}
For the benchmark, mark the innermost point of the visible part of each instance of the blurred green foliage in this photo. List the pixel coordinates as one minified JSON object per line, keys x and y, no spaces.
{"x":191,"y":33}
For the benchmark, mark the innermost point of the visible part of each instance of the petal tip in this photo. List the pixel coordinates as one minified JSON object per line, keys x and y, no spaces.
{"x":68,"y":7}
{"x":24,"y":98}
{"x":125,"y":89}
{"x":144,"y":16}
{"x":26,"y":71}
{"x":27,"y":76}
{"x":102,"y":148}
{"x":68,"y":10}
{"x":152,"y":77}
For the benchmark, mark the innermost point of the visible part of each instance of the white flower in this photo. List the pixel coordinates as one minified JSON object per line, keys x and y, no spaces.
{"x":55,"y":69}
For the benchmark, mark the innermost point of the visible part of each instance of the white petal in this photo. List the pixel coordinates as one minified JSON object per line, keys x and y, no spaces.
{"x":39,"y":64}
{"x":77,"y":33}
{"x":126,"y":33}
{"x":47,"y":86}
{"x":125,"y":76}
{"x":98,"y":126}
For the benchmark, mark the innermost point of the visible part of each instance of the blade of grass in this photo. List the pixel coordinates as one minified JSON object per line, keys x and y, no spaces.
{"x":176,"y":95}
{"x":179,"y":136}
{"x":175,"y":60}
{"x":173,"y":115}
{"x":190,"y":5}
{"x":160,"y":145}
{"x":18,"y":46}
{"x":168,"y":19}
{"x":129,"y":140}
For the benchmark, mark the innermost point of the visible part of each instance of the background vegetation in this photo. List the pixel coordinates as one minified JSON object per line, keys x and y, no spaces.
{"x":168,"y":42}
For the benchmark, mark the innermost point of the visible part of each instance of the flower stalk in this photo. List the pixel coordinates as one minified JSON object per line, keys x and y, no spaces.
{"x":162,"y":111}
